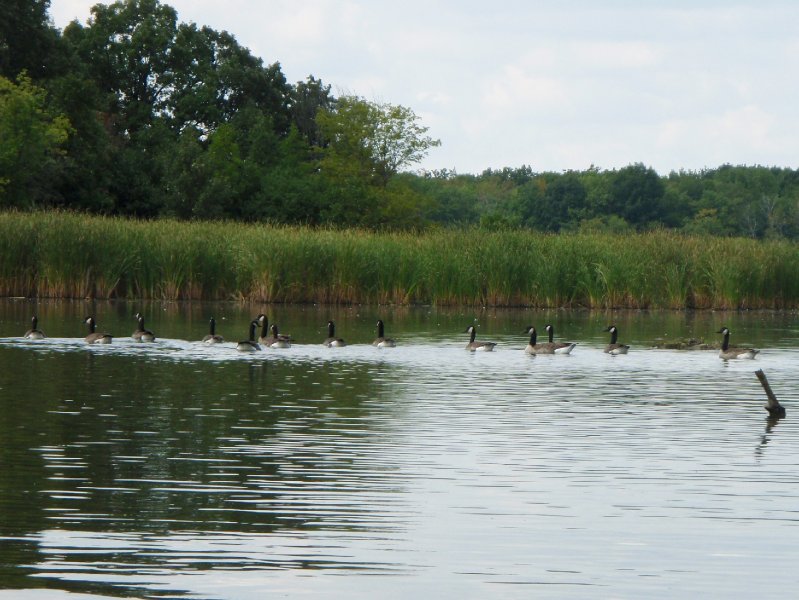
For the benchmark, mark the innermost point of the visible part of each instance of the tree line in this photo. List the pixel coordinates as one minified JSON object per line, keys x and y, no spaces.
{"x":137,"y":114}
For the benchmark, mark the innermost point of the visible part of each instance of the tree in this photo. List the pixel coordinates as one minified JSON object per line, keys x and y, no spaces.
{"x":26,"y":39}
{"x":150,"y":67}
{"x":127,"y":48}
{"x":635,"y":195}
{"x":32,"y":138}
{"x":213,"y":78}
{"x":376,"y":140}
{"x":307,"y":99}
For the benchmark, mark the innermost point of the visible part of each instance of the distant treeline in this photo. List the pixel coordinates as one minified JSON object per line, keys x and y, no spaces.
{"x":136,"y":114}
{"x":66,"y":255}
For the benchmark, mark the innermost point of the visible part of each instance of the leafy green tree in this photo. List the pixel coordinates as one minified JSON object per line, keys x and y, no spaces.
{"x":307,"y":99}
{"x":88,"y":166}
{"x":183,"y":181}
{"x":213,"y":78}
{"x":403,"y":207}
{"x":636,"y":193}
{"x":453,"y":200}
{"x":221,"y":168}
{"x":373,"y":140}
{"x":32,"y":139}
{"x":291,"y":190}
{"x":27,"y":41}
{"x":706,"y":222}
{"x":127,"y":48}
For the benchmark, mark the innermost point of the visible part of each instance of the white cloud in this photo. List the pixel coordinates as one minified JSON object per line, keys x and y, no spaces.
{"x":513,"y":90}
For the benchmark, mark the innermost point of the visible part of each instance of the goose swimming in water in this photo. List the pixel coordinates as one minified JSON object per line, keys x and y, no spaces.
{"x":270,"y":336}
{"x":558,"y":347}
{"x":614,"y":347}
{"x":212,"y":337}
{"x":276,"y":340}
{"x":34,"y":333}
{"x":249,"y":345}
{"x":533,"y":347}
{"x":141,"y":334}
{"x":94,"y":337}
{"x":474,"y":346}
{"x":727,"y":352}
{"x":381,"y":341}
{"x":331,"y":341}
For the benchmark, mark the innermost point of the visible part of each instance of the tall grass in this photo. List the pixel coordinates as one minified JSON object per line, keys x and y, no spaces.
{"x":62,"y":254}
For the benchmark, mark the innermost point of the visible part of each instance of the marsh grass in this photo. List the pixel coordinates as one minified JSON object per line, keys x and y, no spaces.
{"x":68,"y":255}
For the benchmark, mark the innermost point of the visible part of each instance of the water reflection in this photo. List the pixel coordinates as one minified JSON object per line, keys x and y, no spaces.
{"x":175,"y":468}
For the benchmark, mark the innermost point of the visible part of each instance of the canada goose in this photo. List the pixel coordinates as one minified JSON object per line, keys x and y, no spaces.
{"x":558,"y":347}
{"x":141,"y":334}
{"x":249,"y":345}
{"x":272,"y":338}
{"x":276,"y":340}
{"x":212,"y":338}
{"x":34,"y":333}
{"x":93,"y":337}
{"x":532,"y":346}
{"x":381,"y":341}
{"x":473,"y":346}
{"x":613,"y":347}
{"x":332,"y":341}
{"x":726,"y":352}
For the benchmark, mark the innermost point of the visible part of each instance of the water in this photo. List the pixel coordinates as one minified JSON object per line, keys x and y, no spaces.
{"x":176,"y":470}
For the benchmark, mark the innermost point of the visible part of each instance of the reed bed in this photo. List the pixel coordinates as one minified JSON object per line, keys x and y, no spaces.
{"x":69,"y":255}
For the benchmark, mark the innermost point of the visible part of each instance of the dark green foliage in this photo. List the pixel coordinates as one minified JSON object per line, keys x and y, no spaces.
{"x":137,"y":114}
{"x":636,"y":193}
{"x":27,"y":42}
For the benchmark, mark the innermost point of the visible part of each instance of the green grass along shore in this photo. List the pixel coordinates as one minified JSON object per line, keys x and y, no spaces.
{"x":68,"y":255}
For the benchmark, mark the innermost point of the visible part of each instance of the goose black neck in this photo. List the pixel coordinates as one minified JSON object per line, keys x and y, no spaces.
{"x":725,"y":343}
{"x":472,"y":335}
{"x":212,"y":326}
{"x":551,"y":333}
{"x":331,"y":329}
{"x":614,"y":335}
{"x":140,"y":327}
{"x":533,"y":337}
{"x":264,"y":327}
{"x":380,"y":329}
{"x":252,"y":331}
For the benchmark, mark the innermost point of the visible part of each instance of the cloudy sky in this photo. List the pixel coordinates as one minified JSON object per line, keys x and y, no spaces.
{"x":556,"y":84}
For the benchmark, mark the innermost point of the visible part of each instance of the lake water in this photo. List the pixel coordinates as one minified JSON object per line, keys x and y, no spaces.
{"x":177,"y":470}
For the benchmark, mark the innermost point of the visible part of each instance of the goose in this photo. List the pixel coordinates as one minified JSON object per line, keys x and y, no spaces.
{"x":558,"y":347}
{"x":613,"y":347}
{"x":332,"y":341}
{"x":141,"y":334}
{"x":282,"y":340}
{"x":276,"y":340}
{"x":93,"y":337}
{"x":212,"y":338}
{"x":34,"y":333}
{"x":473,"y":346}
{"x":726,"y":352}
{"x":381,"y":341}
{"x":249,"y":345}
{"x":532,"y":346}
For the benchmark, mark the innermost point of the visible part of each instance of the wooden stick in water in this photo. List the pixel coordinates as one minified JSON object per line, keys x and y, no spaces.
{"x":773,"y":406}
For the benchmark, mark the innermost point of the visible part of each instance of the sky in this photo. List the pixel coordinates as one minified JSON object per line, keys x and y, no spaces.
{"x":555,"y":85}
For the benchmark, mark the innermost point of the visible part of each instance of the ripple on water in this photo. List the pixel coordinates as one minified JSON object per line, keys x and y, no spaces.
{"x":456,"y":474}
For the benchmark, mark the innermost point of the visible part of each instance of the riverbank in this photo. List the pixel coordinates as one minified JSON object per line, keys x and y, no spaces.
{"x":67,"y":255}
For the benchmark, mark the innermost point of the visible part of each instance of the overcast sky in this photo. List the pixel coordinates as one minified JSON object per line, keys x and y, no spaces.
{"x":556,"y":85}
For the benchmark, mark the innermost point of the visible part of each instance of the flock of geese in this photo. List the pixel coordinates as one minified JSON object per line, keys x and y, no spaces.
{"x":270,"y":337}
